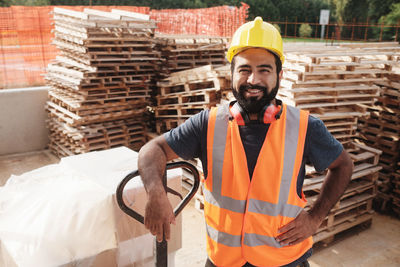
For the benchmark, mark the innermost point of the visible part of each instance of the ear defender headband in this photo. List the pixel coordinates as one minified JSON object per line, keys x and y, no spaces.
{"x":268,"y":114}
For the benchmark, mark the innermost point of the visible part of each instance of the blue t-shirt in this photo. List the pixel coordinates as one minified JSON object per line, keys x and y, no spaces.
{"x":189,"y":140}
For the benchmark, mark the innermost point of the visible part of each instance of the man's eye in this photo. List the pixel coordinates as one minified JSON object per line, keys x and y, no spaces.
{"x":244,"y":70}
{"x":265,"y":70}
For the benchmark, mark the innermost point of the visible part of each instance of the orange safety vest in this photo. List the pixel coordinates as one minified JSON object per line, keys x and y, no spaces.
{"x":243,"y":216}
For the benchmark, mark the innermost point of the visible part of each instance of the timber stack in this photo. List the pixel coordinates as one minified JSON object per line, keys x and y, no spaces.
{"x":188,"y":92}
{"x":182,"y":52}
{"x":355,"y":206}
{"x":332,"y":82}
{"x":101,"y":81}
{"x":382,"y":130}
{"x":340,"y":85}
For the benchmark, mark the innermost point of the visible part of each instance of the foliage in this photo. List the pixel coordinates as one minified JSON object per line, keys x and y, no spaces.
{"x":24,"y":2}
{"x":305,"y":30}
{"x":379,"y":8}
{"x":274,"y":11}
{"x":340,"y":7}
{"x":393,"y":17}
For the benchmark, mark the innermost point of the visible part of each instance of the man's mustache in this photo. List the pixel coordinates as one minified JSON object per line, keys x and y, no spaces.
{"x":244,"y":87}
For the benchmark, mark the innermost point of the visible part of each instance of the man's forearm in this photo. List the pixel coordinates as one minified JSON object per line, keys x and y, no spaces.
{"x":151,"y":164}
{"x":332,"y":189}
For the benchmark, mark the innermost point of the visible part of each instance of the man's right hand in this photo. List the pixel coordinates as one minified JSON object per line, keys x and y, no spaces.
{"x":159,"y":215}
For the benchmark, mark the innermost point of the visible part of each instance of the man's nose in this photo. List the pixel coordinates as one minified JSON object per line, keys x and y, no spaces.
{"x":253,"y":78}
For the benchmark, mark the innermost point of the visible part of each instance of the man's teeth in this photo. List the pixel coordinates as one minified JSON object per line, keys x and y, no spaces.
{"x":254,"y":91}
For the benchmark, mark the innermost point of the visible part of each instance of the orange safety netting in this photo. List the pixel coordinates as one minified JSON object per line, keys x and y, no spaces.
{"x":26,"y":34}
{"x":214,"y":21}
{"x":25,"y":42}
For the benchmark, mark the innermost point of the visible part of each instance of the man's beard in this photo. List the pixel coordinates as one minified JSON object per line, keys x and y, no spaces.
{"x":252,"y":104}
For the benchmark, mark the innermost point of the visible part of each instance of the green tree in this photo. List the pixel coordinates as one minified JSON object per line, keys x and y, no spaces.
{"x":263,"y":8}
{"x":305,"y":30}
{"x":25,"y":2}
{"x":379,"y":8}
{"x":340,"y":8}
{"x":393,"y":18}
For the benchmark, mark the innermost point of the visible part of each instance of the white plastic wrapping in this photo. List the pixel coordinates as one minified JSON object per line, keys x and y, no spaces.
{"x":66,"y":214}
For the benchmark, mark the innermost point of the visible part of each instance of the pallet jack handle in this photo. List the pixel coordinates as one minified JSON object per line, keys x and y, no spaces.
{"x":161,"y":247}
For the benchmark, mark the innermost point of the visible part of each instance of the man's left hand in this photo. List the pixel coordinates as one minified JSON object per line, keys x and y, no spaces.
{"x":302,"y":227}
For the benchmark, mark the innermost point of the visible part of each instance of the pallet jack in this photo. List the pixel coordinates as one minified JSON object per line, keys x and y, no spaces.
{"x":161,"y":247}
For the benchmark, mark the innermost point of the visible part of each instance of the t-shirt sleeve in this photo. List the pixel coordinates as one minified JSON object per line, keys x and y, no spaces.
{"x":321,"y":148}
{"x":187,"y":139}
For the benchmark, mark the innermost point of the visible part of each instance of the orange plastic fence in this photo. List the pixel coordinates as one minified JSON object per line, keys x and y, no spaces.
{"x":214,"y":21}
{"x":26,"y":34}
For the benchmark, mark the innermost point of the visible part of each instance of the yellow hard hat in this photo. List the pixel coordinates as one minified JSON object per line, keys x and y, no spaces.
{"x":256,"y":33}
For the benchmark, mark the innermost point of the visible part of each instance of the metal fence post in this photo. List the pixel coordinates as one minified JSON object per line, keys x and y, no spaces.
{"x":366,"y":30}
{"x":286,"y":28}
{"x":352,"y":29}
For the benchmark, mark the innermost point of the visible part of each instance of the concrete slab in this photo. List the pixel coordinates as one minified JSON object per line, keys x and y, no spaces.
{"x":23,"y":120}
{"x":18,"y":164}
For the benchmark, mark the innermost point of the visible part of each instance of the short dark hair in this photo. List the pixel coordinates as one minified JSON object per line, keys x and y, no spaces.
{"x":278,"y":64}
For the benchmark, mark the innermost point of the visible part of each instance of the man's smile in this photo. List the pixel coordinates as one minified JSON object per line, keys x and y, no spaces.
{"x":251,"y":92}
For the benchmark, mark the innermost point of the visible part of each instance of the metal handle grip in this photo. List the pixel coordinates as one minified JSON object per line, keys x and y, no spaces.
{"x":169,"y":166}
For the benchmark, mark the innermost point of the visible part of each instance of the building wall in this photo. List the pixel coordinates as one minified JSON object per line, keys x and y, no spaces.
{"x":22,"y":120}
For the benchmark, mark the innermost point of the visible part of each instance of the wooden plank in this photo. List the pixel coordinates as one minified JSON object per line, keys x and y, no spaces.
{"x":70,"y":13}
{"x":98,"y":13}
{"x":359,"y":220}
{"x":130,"y":14}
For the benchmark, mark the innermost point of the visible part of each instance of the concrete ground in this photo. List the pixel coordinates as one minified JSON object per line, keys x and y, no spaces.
{"x":377,"y":245}
{"x":18,"y":164}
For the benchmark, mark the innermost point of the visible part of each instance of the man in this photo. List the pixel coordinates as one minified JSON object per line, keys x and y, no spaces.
{"x":253,"y":153}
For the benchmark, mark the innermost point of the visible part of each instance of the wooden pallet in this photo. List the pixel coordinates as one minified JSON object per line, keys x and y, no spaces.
{"x":326,"y":236}
{"x":113,"y":112}
{"x":355,"y":205}
{"x":190,"y":86}
{"x":206,"y":96}
{"x":165,"y":125}
{"x":185,"y":93}
{"x":322,"y":79}
{"x":182,"y":112}
{"x":66,"y":141}
{"x":186,"y":52}
{"x":101,"y":79}
{"x":363,"y":180}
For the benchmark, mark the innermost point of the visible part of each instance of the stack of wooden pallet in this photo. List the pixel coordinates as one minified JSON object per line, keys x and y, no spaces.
{"x":100,"y":82}
{"x":182,"y":52}
{"x":188,"y":92}
{"x":339,"y":85}
{"x":355,"y":206}
{"x":332,"y":82}
{"x":382,"y":130}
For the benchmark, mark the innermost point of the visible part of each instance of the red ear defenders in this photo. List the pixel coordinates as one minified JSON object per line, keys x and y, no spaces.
{"x":267,"y":115}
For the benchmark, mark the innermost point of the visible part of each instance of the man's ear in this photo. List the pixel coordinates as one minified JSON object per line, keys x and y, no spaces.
{"x":280,"y":75}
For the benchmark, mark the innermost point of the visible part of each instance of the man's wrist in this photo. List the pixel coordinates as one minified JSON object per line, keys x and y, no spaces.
{"x":156,"y":190}
{"x":316,"y":215}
